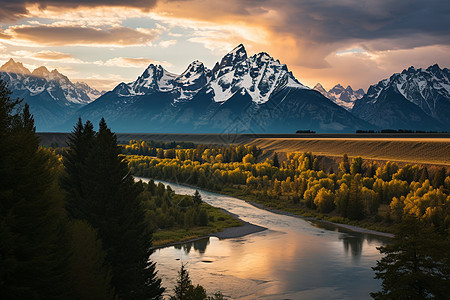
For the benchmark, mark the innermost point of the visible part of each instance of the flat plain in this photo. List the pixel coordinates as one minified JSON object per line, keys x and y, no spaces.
{"x":432,"y":149}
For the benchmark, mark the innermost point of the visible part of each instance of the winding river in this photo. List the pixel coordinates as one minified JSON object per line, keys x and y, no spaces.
{"x":292,"y":259}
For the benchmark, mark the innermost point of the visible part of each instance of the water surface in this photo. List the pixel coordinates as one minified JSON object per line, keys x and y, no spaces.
{"x":293,"y":259}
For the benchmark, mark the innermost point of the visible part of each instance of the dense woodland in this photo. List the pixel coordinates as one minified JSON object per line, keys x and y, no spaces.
{"x":407,"y":200}
{"x":356,"y":190}
{"x":76,"y":225}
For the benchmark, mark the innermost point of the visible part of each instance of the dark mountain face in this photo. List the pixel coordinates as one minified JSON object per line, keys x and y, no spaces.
{"x":240,"y":94}
{"x":414,"y":99}
{"x":51,"y":95}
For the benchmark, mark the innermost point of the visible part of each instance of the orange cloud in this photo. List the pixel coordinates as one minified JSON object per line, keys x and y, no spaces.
{"x":17,"y":9}
{"x":133,"y":62}
{"x":49,"y":35}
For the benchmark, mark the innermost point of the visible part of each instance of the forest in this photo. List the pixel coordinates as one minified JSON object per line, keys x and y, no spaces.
{"x":76,"y":225}
{"x":357,"y":190}
{"x":406,"y":201}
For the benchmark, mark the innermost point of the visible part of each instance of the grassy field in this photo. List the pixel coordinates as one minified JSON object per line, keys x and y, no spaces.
{"x":433,"y":149}
{"x":415,"y":150}
{"x":219,"y":220}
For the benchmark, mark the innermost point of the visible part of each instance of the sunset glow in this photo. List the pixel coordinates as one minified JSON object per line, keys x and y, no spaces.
{"x":352,"y":42}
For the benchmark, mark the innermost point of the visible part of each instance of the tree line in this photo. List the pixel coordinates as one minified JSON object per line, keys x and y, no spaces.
{"x":416,"y":265}
{"x":189,"y":151}
{"x":356,"y":190}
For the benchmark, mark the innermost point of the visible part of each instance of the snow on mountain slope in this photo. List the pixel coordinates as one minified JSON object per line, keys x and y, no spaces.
{"x":260,"y":75}
{"x":428,"y":89}
{"x":240,"y":94}
{"x":157,"y":79}
{"x":344,"y":97}
{"x":57,"y":85}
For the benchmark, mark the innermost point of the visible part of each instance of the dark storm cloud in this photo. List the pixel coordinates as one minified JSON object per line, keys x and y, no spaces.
{"x":326,"y":21}
{"x":15,"y":9}
{"x":321,"y":27}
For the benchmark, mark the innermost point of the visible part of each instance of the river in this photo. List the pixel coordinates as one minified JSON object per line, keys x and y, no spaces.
{"x":292,"y":259}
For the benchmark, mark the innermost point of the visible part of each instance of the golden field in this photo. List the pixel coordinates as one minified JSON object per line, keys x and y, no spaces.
{"x":432,"y":149}
{"x":414,"y":150}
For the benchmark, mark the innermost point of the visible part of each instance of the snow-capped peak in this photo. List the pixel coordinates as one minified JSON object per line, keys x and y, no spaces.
{"x":57,"y":85}
{"x":232,"y":58}
{"x":260,"y":75}
{"x":426,"y":88}
{"x":14,"y":67}
{"x":319,"y":87}
{"x":344,"y":97}
{"x":156,"y":79}
{"x":194,"y":77}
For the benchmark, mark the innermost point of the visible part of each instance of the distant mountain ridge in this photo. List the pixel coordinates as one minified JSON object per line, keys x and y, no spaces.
{"x":239,"y":94}
{"x":344,"y":97}
{"x":50,"y":94}
{"x":413,"y":99}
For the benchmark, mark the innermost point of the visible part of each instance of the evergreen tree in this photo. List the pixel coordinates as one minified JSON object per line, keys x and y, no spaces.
{"x":33,"y":235}
{"x":113,"y":208}
{"x":439,"y":178}
{"x":183,"y":284}
{"x":424,"y":175}
{"x":90,"y":274}
{"x":80,"y":144}
{"x":416,"y":265}
{"x":276,"y":163}
{"x":197,"y":198}
{"x":185,"y":290}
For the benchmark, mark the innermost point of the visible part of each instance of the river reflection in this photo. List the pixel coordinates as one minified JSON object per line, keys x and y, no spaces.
{"x":199,"y":246}
{"x":293,"y":259}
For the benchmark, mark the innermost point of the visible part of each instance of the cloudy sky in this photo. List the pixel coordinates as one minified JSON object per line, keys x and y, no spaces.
{"x":352,"y":42}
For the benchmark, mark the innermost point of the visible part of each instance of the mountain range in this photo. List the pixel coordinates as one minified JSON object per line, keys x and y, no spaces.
{"x":344,"y":97}
{"x":240,"y":94}
{"x":51,"y":95}
{"x":417,"y":99}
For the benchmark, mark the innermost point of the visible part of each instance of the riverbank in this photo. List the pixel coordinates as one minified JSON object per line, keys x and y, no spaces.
{"x":221,"y":224}
{"x":228,"y":233}
{"x":315,"y":220}
{"x":313,"y":217}
{"x":296,"y":214}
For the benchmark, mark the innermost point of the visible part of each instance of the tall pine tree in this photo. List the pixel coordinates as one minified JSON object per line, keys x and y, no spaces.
{"x":33,"y":228}
{"x":416,"y":264}
{"x":108,"y":201}
{"x":80,"y":144}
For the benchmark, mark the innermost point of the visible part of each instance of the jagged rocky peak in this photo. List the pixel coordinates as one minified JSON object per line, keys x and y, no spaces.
{"x":194,"y":77}
{"x":232,"y":58}
{"x":154,"y":78}
{"x":428,"y":89}
{"x":344,"y":97}
{"x":260,"y":76}
{"x":318,"y":87}
{"x":14,"y":67}
{"x":41,"y":72}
